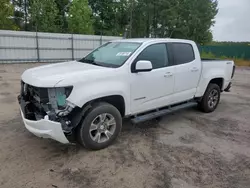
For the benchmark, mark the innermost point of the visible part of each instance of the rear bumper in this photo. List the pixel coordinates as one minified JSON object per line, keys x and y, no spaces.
{"x":228,"y":87}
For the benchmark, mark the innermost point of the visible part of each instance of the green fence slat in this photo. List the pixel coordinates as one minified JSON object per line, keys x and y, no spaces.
{"x":242,"y":52}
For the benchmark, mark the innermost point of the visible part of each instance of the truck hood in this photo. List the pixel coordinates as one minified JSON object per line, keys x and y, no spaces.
{"x":53,"y":74}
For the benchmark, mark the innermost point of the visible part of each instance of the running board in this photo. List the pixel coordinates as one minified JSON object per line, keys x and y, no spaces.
{"x":152,"y":115}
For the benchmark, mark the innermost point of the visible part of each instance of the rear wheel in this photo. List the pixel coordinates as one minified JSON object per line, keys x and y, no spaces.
{"x":100,"y":127}
{"x":210,"y":99}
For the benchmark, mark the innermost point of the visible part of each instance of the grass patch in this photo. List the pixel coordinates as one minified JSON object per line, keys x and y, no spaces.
{"x":242,"y":62}
{"x":237,"y":61}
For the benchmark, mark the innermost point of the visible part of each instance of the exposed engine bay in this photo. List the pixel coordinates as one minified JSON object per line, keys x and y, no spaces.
{"x":38,"y":103}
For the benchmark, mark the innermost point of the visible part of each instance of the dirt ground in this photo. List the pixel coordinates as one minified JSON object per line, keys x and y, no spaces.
{"x":187,"y":149}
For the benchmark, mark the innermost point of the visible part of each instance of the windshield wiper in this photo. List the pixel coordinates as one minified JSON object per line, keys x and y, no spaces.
{"x":92,"y":62}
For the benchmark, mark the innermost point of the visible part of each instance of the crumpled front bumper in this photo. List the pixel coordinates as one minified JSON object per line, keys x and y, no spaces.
{"x":45,"y":128}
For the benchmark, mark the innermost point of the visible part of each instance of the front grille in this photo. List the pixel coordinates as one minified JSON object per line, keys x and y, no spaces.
{"x":36,"y":99}
{"x":38,"y":94}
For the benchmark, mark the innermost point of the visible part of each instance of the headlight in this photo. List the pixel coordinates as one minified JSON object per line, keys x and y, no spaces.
{"x":68,"y":91}
{"x":58,"y":96}
{"x":62,"y":94}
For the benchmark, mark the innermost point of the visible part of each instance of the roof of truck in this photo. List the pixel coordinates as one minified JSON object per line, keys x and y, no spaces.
{"x":144,"y":40}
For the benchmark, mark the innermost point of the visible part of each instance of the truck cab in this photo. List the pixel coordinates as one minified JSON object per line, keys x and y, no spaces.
{"x":176,"y":68}
{"x":85,"y":100}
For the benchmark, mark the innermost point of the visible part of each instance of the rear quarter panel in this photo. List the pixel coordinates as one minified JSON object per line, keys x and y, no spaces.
{"x":214,"y":69}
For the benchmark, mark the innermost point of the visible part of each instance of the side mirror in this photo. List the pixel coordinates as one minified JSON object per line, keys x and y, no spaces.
{"x":143,"y":66}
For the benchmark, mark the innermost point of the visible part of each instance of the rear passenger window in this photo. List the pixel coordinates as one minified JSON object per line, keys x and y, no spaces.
{"x":183,"y":53}
{"x":157,"y":54}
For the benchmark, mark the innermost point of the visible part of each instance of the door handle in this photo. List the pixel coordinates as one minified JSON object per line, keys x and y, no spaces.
{"x":168,"y":74}
{"x":194,"y":69}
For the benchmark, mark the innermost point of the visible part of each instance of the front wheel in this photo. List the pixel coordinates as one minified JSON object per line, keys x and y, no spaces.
{"x":100,"y":127}
{"x":211,"y":98}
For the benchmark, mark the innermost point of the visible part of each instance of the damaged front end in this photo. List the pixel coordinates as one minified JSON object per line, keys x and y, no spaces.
{"x":39,"y":103}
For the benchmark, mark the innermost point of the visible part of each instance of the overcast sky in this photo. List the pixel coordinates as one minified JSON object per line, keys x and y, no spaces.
{"x":232,"y":21}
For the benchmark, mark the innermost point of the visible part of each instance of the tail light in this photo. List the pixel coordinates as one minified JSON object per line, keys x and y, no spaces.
{"x":233,"y":71}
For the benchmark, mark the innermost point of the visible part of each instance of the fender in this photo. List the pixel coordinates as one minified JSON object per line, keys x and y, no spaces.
{"x":206,"y":78}
{"x":98,"y":89}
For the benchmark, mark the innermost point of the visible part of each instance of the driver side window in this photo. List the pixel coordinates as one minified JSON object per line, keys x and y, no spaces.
{"x":156,"y":54}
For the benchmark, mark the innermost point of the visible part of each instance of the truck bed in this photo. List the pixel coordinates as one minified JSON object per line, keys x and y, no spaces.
{"x":206,"y":60}
{"x":223,"y":67}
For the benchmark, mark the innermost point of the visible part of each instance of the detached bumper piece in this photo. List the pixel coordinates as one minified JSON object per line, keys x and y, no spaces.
{"x":41,"y":112}
{"x":43,"y":128}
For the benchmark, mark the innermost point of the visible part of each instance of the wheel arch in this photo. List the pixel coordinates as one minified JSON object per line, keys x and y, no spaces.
{"x":117,"y":101}
{"x":219,"y":81}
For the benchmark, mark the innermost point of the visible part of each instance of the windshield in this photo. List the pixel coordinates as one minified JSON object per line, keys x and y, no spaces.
{"x":111,"y":54}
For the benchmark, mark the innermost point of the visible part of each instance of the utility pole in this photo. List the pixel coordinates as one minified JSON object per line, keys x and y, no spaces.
{"x":154,"y":21}
{"x":148,"y":24}
{"x":131,"y":19}
{"x":126,"y":32}
{"x":25,"y":15}
{"x":64,"y":14}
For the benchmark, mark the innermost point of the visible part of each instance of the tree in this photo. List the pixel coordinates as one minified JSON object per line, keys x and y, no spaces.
{"x":21,"y":14}
{"x":79,"y":19}
{"x":189,"y":19}
{"x":199,"y":16}
{"x":63,"y":10}
{"x":6,"y":15}
{"x":110,"y":16}
{"x":44,"y":16}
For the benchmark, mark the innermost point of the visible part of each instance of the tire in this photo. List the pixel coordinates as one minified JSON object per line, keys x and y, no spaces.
{"x":212,"y":93}
{"x":94,"y":124}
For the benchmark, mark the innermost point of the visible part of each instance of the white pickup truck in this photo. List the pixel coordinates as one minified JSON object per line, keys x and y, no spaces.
{"x":84,"y":101}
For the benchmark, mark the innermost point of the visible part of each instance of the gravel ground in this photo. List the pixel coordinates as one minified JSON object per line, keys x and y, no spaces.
{"x":187,"y":149}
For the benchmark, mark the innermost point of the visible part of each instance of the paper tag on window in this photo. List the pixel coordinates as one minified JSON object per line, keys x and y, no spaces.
{"x":123,"y":54}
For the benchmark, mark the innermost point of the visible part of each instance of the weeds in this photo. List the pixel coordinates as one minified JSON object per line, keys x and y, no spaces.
{"x":238,"y":61}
